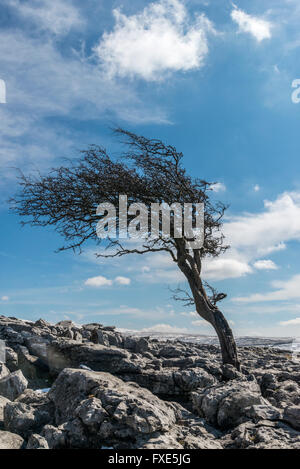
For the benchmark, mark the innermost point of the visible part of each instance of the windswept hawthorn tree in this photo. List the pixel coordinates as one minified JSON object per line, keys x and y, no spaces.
{"x":148,"y":172}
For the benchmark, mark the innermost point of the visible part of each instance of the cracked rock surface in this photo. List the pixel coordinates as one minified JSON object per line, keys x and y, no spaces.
{"x":103,"y":389}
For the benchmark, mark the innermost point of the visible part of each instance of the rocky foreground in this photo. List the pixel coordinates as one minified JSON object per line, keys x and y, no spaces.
{"x":108,"y":390}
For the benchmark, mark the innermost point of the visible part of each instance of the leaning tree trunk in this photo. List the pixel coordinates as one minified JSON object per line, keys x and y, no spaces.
{"x":226,"y":339}
{"x":213,"y":315}
{"x":227,"y":343}
{"x":206,"y":309}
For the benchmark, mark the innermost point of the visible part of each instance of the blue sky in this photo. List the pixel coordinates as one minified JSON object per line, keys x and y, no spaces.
{"x":212,"y":78}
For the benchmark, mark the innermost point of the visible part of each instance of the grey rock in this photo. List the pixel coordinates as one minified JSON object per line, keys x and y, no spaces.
{"x":91,"y":412}
{"x":42,"y":323}
{"x":223,"y":405}
{"x":10,"y":440}
{"x":25,"y":419}
{"x":55,"y":437}
{"x":142,"y":345}
{"x":99,"y":337}
{"x":37,"y":346}
{"x":3,"y":402}
{"x":172,"y":382}
{"x":65,"y":323}
{"x":292,"y":416}
{"x":4,"y":371}
{"x":263,"y":412}
{"x":13,"y":385}
{"x":11,"y":359}
{"x":37,"y":442}
{"x":105,"y":407}
{"x":159,"y":441}
{"x":35,"y":370}
{"x":66,"y":353}
{"x":29,"y":413}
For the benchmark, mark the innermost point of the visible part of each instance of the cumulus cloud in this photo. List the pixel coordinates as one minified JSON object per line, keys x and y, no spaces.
{"x":165,"y":328}
{"x":265,"y":264}
{"x":218,"y":269}
{"x":122,"y":280}
{"x":160,"y":39}
{"x":269,"y":230}
{"x":4,"y":298}
{"x":98,"y":282}
{"x":291,"y":322}
{"x":101,"y":281}
{"x":201,"y":322}
{"x":259,"y":28}
{"x":192,"y":314}
{"x":253,"y":235}
{"x":283,"y":290}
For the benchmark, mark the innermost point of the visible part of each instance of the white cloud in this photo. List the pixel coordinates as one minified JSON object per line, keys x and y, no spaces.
{"x":190,"y":314}
{"x":160,"y":39}
{"x":265,"y":264}
{"x":267,"y":231}
{"x":256,"y":188}
{"x":283,"y":290}
{"x":57,"y":16}
{"x":258,"y":27}
{"x":43,"y":82}
{"x":292,"y":322}
{"x":4,"y":298}
{"x":98,"y":282}
{"x":165,"y":328}
{"x":221,"y":268}
{"x":218,"y":187}
{"x":122,"y":280}
{"x":201,"y":322}
{"x":253,"y":235}
{"x":101,"y":281}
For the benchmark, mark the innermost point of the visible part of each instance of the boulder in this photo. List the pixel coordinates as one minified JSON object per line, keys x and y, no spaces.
{"x":10,"y":440}
{"x":35,"y":370}
{"x":223,"y":405}
{"x":66,"y":324}
{"x":3,"y":402}
{"x":11,"y":359}
{"x":291,"y":415}
{"x":13,"y":385}
{"x":68,"y":353}
{"x":28,"y":414}
{"x":106,"y":408}
{"x":37,"y":442}
{"x":172,"y":382}
{"x":4,"y":371}
{"x":55,"y":437}
{"x":263,"y":412}
{"x":25,"y":419}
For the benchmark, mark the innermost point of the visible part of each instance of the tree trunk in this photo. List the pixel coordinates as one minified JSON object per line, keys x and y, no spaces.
{"x":226,"y":339}
{"x":214,"y":316}
{"x":210,"y":312}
